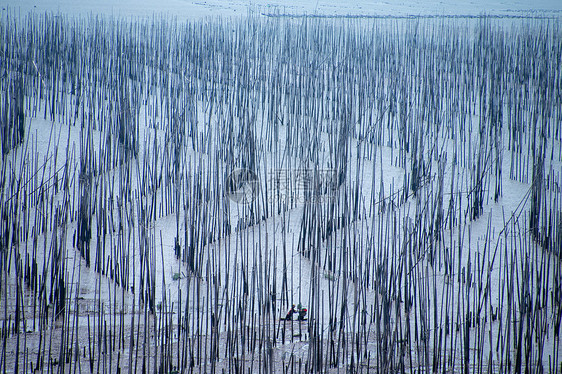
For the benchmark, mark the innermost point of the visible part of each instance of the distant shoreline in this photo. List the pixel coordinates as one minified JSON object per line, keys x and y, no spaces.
{"x":411,"y":16}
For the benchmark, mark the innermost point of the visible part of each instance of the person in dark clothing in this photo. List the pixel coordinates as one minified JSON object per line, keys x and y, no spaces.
{"x":302,"y":314}
{"x":290,"y":313}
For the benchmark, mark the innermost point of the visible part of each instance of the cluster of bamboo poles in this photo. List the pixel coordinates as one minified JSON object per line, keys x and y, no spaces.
{"x":409,"y":243}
